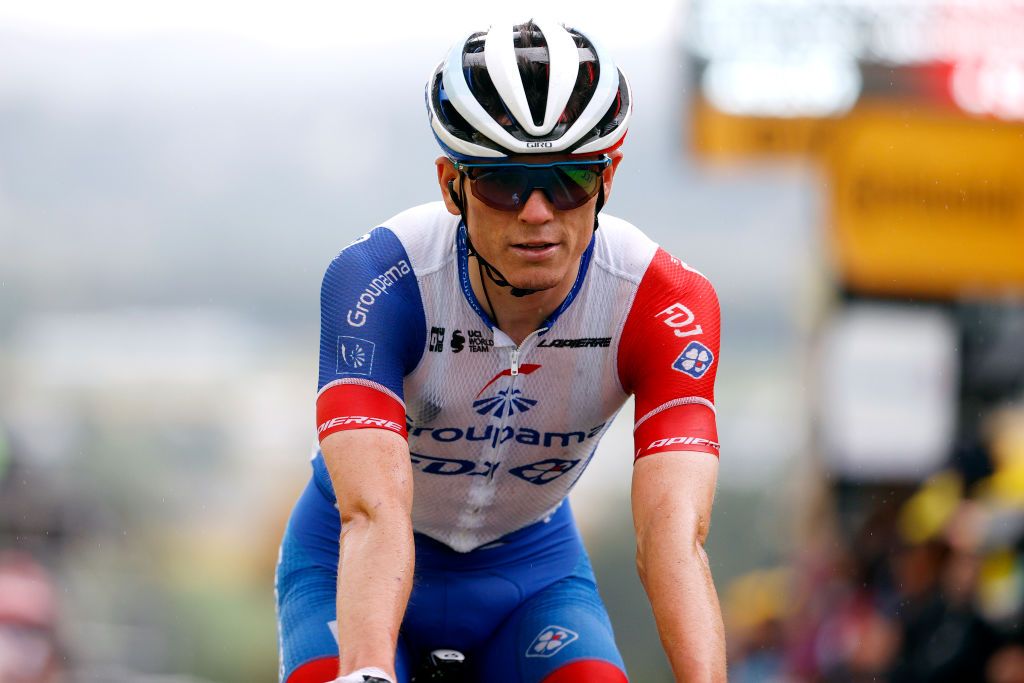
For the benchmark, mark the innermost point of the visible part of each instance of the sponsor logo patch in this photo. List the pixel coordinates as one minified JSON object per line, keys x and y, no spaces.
{"x":694,"y":360}
{"x":355,"y":356}
{"x":437,"y":339}
{"x":545,"y":471}
{"x":458,"y":341}
{"x":551,"y":641}
{"x":505,"y":402}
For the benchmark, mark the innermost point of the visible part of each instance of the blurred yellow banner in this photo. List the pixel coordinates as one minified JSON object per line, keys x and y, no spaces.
{"x":718,"y":136}
{"x":927,"y":203}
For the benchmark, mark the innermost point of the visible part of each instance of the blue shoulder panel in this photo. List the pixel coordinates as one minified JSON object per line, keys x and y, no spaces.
{"x":372,"y":322}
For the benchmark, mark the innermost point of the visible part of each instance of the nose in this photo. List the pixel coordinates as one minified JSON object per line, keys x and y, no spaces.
{"x":537,"y":209}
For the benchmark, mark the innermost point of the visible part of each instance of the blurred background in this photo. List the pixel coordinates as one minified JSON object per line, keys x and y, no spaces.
{"x":175,"y":177}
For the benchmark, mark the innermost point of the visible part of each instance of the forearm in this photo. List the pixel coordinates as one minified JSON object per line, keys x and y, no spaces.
{"x":375,"y":570}
{"x":372,"y":481}
{"x":675,"y":573}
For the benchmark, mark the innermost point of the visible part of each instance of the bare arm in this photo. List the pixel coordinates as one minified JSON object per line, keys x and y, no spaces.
{"x":372,"y":479}
{"x":672,"y":497}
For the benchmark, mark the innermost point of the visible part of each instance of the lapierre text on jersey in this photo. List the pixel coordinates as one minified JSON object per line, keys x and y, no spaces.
{"x":378,"y":286}
{"x":679,"y":441}
{"x":581,"y":343}
{"x":359,"y":420}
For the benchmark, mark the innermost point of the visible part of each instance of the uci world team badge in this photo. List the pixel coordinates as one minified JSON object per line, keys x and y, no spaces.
{"x":694,"y":360}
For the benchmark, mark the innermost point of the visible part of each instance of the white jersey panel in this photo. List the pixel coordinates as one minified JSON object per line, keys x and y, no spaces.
{"x":495,"y":451}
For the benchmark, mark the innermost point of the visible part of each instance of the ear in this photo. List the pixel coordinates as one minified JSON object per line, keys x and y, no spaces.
{"x":446,"y":177}
{"x":609,"y":173}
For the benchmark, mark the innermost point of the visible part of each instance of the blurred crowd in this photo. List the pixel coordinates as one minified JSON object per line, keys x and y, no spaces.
{"x":896,"y":583}
{"x":30,"y":649}
{"x":30,"y":641}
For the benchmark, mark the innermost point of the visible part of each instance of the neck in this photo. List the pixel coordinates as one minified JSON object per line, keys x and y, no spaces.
{"x":518,"y":316}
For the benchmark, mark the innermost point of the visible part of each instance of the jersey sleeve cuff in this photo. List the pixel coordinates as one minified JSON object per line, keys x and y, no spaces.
{"x":686,"y":424}
{"x":358,"y":404}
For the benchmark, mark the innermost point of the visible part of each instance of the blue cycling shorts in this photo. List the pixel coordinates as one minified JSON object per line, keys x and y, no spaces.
{"x":519,"y":609}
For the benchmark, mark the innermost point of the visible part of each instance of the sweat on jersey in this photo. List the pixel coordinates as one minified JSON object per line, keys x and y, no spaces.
{"x":499,"y":434}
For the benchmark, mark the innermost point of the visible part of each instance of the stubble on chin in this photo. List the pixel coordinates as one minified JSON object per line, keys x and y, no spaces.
{"x":535,"y":282}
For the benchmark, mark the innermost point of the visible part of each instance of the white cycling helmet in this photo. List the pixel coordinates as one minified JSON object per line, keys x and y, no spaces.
{"x":534,"y":88}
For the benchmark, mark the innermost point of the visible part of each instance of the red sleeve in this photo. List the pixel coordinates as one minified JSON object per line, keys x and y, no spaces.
{"x":668,"y":357}
{"x":358,"y":404}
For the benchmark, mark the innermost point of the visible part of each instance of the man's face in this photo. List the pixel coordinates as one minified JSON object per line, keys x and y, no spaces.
{"x":536,"y":246}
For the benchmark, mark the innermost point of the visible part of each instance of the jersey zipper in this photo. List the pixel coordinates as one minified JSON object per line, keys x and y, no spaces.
{"x":503,"y":422}
{"x":517,"y":349}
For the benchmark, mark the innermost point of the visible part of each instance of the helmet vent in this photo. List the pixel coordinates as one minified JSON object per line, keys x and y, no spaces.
{"x":533,"y":71}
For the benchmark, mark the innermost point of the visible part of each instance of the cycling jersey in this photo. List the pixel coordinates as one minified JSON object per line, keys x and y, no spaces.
{"x":498,"y":432}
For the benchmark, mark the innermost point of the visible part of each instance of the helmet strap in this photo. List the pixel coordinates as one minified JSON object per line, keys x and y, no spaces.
{"x":483,"y":284}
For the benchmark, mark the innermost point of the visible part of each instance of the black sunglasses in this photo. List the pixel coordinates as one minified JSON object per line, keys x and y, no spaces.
{"x":506,"y":187}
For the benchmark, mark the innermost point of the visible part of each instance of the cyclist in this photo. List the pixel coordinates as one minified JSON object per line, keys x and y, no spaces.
{"x":473,"y":351}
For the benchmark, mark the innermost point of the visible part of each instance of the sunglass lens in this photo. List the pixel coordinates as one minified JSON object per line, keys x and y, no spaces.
{"x":503,"y":189}
{"x":508,"y":188}
{"x":573,"y":186}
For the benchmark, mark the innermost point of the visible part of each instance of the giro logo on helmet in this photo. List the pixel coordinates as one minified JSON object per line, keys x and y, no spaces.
{"x":539,"y":144}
